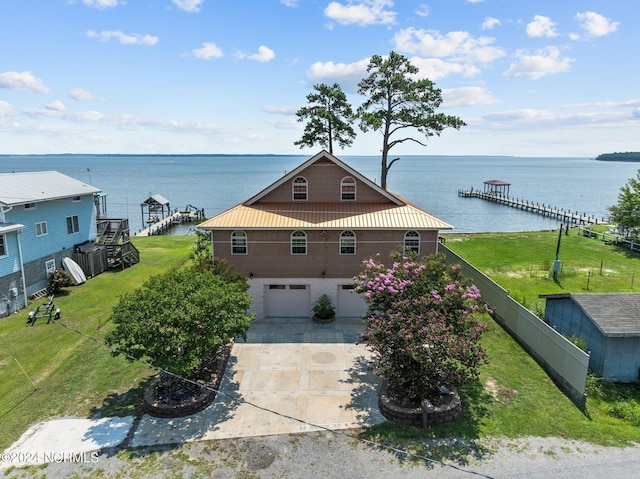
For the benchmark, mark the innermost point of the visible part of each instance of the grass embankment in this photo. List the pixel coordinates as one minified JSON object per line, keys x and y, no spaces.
{"x":73,"y":375}
{"x":514,"y":397}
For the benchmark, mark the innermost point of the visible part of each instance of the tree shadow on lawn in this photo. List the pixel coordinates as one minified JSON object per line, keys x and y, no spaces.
{"x":457,"y":442}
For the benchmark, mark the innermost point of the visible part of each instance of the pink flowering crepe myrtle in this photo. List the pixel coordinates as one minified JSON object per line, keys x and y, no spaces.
{"x":422,"y":324}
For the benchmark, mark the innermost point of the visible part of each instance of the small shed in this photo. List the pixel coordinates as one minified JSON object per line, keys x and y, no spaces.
{"x":609,"y":324}
{"x":154,"y":209}
{"x":91,"y":257}
{"x":496,"y":187}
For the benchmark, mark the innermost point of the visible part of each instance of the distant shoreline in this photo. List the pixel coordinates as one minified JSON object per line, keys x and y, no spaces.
{"x":632,"y":156}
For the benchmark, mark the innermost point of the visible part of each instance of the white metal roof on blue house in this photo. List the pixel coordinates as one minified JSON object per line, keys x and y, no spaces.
{"x":37,"y":186}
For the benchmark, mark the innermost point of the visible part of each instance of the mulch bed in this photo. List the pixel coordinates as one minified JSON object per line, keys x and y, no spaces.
{"x":171,"y":396}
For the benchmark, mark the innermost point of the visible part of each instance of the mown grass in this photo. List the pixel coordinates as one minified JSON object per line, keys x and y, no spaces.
{"x":513,"y":397}
{"x":73,"y":375}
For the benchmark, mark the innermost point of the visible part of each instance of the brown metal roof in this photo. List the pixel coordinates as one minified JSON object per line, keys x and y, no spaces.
{"x":262,"y":216}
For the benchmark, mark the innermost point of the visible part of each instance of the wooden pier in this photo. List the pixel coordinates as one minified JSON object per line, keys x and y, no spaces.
{"x":565,"y":216}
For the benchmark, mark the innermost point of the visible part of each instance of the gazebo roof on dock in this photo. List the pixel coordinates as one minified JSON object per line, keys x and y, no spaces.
{"x":497,"y":183}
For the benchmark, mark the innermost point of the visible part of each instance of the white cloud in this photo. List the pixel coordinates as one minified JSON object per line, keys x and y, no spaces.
{"x":489,"y":23}
{"x":547,"y":61}
{"x":80,"y":95}
{"x":348,"y":75}
{"x":265,"y":54}
{"x":459,"y":46}
{"x":123,"y":38}
{"x":22,"y":81}
{"x":191,"y":6}
{"x":5,"y":108}
{"x":423,"y":10}
{"x":289,"y":3}
{"x":209,"y":50}
{"x":101,"y":4}
{"x":541,"y":27}
{"x":435,"y":68}
{"x":367,"y":12}
{"x":595,"y":24}
{"x":56,"y":105}
{"x":467,"y":96}
{"x":280,"y":110}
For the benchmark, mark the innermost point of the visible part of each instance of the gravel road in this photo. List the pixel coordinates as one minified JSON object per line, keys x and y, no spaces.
{"x":337,"y":456}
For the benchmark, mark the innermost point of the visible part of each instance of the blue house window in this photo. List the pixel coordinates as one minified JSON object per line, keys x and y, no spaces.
{"x":3,"y":247}
{"x":29,"y":206}
{"x":72,"y":224}
{"x":41,"y":228}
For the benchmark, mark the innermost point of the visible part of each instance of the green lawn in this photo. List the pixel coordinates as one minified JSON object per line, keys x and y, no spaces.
{"x":514,"y":397}
{"x":73,"y":375}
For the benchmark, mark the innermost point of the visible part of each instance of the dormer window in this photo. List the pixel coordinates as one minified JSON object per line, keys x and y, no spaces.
{"x":348,"y":189}
{"x":300,"y":189}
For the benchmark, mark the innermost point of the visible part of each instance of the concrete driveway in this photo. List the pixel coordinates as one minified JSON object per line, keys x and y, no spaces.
{"x":291,"y":375}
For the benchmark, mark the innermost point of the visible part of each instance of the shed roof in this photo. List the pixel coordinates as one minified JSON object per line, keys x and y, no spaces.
{"x":37,"y":186}
{"x":616,"y":314}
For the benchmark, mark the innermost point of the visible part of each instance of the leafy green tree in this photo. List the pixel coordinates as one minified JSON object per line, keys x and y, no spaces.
{"x":177,"y":318}
{"x":397,"y":102}
{"x":330,"y":118}
{"x":626,"y":213}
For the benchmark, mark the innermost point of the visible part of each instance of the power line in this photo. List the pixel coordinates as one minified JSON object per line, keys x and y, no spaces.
{"x":238,"y":400}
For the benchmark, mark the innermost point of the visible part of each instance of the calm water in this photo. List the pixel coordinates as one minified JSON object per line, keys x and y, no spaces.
{"x":216,"y":183}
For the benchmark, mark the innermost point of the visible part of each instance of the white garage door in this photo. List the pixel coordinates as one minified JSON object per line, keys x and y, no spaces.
{"x":350,"y":304}
{"x":287,"y":300}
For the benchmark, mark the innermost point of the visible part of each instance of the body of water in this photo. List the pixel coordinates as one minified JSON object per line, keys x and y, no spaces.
{"x":217,"y":182}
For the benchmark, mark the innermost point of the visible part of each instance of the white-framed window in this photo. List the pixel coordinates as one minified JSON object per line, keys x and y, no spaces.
{"x":29,"y":206}
{"x":238,"y":242}
{"x":50,"y":265}
{"x":41,"y":228}
{"x":72,"y":224}
{"x":75,"y":199}
{"x":412,"y":241}
{"x":348,"y":189}
{"x":300,"y":189}
{"x":298,"y":242}
{"x":3,"y":246}
{"x":347,"y":242}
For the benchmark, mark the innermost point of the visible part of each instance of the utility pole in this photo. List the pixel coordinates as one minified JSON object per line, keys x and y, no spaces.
{"x":556,"y":263}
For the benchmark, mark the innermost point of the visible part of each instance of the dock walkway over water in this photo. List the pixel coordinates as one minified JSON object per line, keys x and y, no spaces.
{"x":497,"y":195}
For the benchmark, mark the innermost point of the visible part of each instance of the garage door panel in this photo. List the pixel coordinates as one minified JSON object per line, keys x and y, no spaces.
{"x":287,"y":300}
{"x":350,"y":304}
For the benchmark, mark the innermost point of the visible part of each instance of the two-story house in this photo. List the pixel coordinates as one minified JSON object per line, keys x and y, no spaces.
{"x":43,"y":215}
{"x":307,"y":234}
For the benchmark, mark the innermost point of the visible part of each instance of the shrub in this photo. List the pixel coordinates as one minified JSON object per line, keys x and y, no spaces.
{"x":57,"y":280}
{"x":422,"y":325}
{"x":323,"y":308}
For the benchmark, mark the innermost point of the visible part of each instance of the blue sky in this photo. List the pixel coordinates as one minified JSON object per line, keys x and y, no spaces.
{"x":530,"y":78}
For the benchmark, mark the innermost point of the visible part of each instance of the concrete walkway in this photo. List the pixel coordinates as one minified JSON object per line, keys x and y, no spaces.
{"x":312,"y":376}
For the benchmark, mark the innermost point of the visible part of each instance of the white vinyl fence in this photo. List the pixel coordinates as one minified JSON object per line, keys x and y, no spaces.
{"x":564,"y":361}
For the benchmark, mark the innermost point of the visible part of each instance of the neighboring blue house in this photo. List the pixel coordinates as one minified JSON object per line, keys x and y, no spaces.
{"x":43,"y":215}
{"x":609,"y":324}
